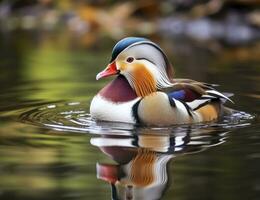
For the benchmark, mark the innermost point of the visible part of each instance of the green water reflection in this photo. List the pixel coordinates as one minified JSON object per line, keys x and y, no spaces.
{"x":40,"y":163}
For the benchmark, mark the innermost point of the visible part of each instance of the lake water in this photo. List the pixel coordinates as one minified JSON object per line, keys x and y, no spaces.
{"x":50,"y":148}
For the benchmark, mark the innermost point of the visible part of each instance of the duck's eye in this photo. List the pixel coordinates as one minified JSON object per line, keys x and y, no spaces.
{"x":130,"y":59}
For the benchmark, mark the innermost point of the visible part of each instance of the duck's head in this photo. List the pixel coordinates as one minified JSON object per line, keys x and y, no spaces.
{"x":142,"y":63}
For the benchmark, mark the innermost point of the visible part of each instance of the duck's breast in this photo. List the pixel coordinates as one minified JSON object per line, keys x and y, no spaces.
{"x":114,"y":102}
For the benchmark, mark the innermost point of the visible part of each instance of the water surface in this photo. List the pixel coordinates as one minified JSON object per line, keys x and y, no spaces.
{"x":50,"y":148}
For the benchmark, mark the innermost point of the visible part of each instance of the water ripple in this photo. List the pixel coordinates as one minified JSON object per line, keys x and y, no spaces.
{"x":74,"y":116}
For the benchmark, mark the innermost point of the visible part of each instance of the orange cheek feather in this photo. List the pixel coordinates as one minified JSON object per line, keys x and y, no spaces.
{"x":144,"y":82}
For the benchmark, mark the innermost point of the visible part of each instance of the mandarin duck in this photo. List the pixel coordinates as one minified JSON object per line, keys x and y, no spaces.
{"x":145,"y":92}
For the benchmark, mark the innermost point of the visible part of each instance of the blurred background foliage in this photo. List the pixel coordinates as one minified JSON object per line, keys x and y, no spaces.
{"x":230,"y":21}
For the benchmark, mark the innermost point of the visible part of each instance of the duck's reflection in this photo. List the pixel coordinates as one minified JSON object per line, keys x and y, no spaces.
{"x":141,"y":169}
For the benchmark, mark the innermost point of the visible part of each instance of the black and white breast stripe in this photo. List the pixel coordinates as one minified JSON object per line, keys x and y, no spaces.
{"x":186,"y":106}
{"x":135,"y":112}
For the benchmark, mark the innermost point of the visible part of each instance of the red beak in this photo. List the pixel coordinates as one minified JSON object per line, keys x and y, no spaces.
{"x":109,"y":71}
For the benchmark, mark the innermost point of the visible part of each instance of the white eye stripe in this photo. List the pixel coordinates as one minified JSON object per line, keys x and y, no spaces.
{"x":145,"y":59}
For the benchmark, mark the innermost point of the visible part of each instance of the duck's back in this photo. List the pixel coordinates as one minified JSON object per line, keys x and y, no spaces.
{"x":187,"y":101}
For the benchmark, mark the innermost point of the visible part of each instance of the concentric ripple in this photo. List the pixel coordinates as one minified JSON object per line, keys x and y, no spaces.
{"x":74,"y":116}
